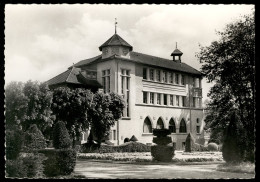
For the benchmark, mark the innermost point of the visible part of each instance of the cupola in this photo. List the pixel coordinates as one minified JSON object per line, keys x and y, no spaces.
{"x":115,"y":46}
{"x":176,"y":55}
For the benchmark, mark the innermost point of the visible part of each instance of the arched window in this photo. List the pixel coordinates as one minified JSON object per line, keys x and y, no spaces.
{"x":147,"y":128}
{"x":172,"y":126}
{"x":183,"y":128}
{"x":160,"y":124}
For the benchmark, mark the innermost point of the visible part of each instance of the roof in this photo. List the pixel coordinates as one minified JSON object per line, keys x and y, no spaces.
{"x":73,"y":75}
{"x":176,"y":52}
{"x":86,"y":61}
{"x":161,"y":62}
{"x":116,"y":40}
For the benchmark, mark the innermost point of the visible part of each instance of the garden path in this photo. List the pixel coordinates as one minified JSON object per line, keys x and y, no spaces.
{"x":117,"y":170}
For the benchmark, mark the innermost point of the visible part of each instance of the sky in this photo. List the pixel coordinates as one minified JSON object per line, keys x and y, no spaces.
{"x":42,"y":41}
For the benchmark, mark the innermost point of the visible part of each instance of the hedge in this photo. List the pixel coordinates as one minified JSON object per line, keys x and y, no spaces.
{"x":59,"y":162}
{"x":126,"y":147}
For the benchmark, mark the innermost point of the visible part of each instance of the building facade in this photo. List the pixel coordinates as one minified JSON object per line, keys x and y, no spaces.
{"x":159,"y":93}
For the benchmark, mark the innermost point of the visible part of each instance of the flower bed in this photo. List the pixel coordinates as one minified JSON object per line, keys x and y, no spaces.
{"x":146,"y":156}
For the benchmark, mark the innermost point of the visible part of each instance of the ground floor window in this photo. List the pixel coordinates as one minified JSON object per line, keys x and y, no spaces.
{"x":172,"y":126}
{"x":147,"y":127}
{"x":198,"y":129}
{"x":183,"y":128}
{"x":160,"y":124}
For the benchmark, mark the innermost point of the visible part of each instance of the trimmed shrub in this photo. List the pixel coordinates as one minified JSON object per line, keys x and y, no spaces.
{"x":14,"y":143}
{"x":59,"y":162}
{"x":203,"y":148}
{"x":162,"y":140}
{"x":230,"y":148}
{"x":61,"y":137}
{"x":212,"y":147}
{"x":15,"y":168}
{"x":33,"y":164}
{"x":34,"y":139}
{"x":161,"y":132}
{"x":162,"y":153}
{"x":126,"y":140}
{"x":133,"y":139}
{"x":126,"y":147}
{"x":189,"y":143}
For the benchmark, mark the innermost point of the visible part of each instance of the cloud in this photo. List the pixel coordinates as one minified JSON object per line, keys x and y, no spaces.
{"x":44,"y":40}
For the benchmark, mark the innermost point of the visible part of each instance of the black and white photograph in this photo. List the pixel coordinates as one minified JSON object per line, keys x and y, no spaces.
{"x":129,"y":91}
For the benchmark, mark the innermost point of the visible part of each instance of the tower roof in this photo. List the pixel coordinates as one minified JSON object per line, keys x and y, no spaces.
{"x":116,"y":40}
{"x":176,"y":52}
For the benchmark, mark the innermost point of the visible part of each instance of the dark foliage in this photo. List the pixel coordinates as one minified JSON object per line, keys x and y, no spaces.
{"x":61,"y":137}
{"x":162,"y":140}
{"x":126,"y":147}
{"x":59,"y":162}
{"x":14,"y":143}
{"x":34,"y":139}
{"x":230,"y":150}
{"x":189,"y":143}
{"x":161,"y":132}
{"x":133,"y":139}
{"x":162,"y":153}
{"x":15,"y":168}
{"x":126,"y":140}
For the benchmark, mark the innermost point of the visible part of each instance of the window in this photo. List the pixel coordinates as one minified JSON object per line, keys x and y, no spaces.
{"x":171,"y":100}
{"x":164,"y":78}
{"x":125,"y":90}
{"x":198,"y":129}
{"x":151,"y":74}
{"x":106,"y":80}
{"x":114,"y":134}
{"x":151,"y":98}
{"x":172,"y":126}
{"x":194,"y":101}
{"x":182,"y":80}
{"x":177,"y":100}
{"x":160,"y":124}
{"x":145,"y":97}
{"x":183,"y":101}
{"x":147,"y":127}
{"x":183,"y":128}
{"x":165,"y":99}
{"x":198,"y":120}
{"x":158,"y":75}
{"x":183,"y":145}
{"x":145,"y":73}
{"x":176,"y":78}
{"x":159,"y":99}
{"x":171,"y":77}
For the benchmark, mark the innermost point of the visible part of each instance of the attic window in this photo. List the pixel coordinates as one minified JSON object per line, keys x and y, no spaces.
{"x":176,"y":57}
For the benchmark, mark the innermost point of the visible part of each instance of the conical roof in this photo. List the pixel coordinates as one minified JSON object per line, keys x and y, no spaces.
{"x":116,"y":40}
{"x":176,"y":52}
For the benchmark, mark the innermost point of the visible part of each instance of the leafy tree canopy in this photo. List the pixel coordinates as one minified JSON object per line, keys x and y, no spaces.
{"x":230,"y":63}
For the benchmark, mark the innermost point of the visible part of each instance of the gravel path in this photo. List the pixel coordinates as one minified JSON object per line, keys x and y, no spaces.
{"x":114,"y":170}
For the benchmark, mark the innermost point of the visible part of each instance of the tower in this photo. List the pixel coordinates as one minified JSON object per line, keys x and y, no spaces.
{"x":176,"y":55}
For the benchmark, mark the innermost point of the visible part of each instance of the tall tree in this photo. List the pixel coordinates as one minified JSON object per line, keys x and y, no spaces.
{"x":71,"y":106}
{"x":104,"y":111}
{"x":230,"y":63}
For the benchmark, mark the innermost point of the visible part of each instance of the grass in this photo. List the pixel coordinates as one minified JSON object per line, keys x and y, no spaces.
{"x":244,"y":167}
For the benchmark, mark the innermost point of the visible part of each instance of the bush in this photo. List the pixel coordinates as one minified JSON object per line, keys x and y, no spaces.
{"x":212,"y":147}
{"x":14,"y":143}
{"x":126,"y":147}
{"x":34,"y":139}
{"x":189,"y":143}
{"x":230,"y":148}
{"x":162,"y":153}
{"x":133,"y":139}
{"x":126,"y":140}
{"x":59,"y":162}
{"x":162,"y":140}
{"x":15,"y":168}
{"x":61,"y":137}
{"x":203,"y":148}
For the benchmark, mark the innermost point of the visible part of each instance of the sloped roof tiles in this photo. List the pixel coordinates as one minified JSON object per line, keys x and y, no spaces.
{"x":116,"y":40}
